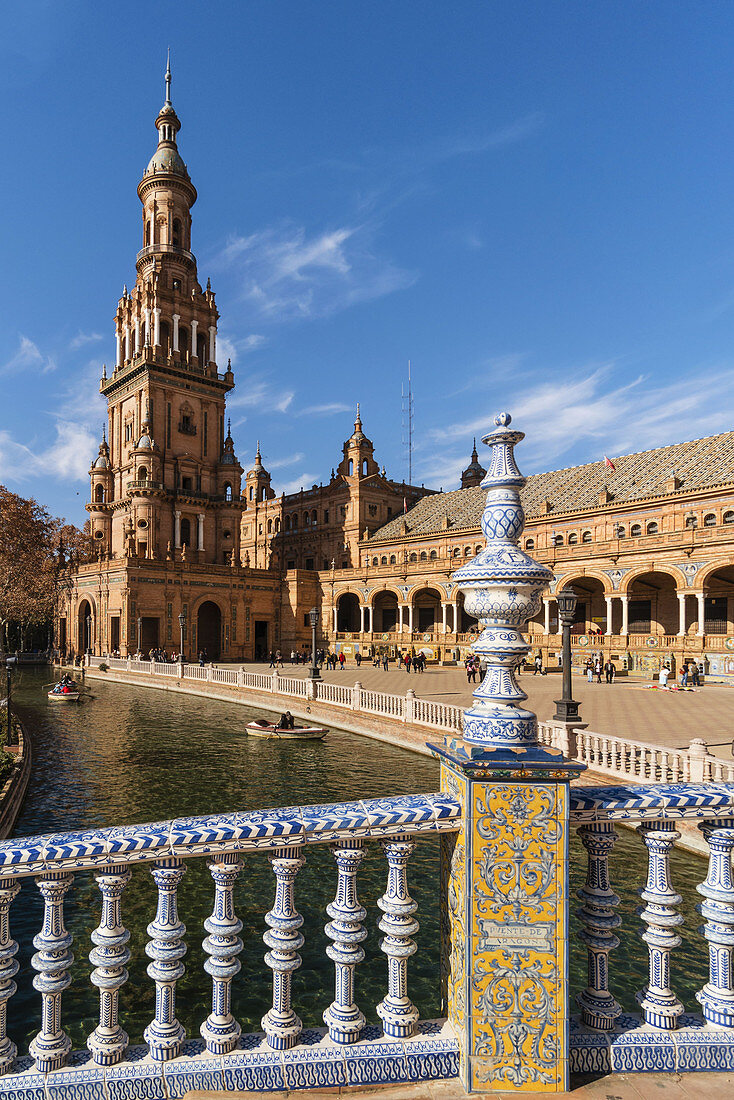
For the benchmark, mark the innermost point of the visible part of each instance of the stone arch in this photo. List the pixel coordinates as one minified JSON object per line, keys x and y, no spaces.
{"x":653,"y":604}
{"x":426,"y":603}
{"x":209,"y":618}
{"x":591,"y":607}
{"x":385,"y":588}
{"x":677,"y":574}
{"x":384,"y":610}
{"x":572,"y":579}
{"x":86,"y":632}
{"x":718,"y":588}
{"x":347,"y":612}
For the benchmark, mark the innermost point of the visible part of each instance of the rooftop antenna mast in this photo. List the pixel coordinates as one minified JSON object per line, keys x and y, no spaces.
{"x":407,"y":405}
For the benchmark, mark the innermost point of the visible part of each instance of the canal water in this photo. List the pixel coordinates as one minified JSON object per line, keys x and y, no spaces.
{"x":132,"y":755}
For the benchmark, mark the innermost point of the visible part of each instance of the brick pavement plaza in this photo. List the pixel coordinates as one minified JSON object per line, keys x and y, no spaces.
{"x":626,"y":708}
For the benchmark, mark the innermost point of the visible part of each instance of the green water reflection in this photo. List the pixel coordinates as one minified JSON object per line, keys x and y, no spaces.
{"x":137,"y":755}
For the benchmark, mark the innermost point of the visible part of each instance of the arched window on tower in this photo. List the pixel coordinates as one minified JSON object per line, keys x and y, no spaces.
{"x":227,"y":491}
{"x":185,"y":532}
{"x":351,"y":467}
{"x":147,"y":232}
{"x":252,"y":493}
{"x":99,"y":494}
{"x":287,"y":523}
{"x":202,"y":349}
{"x":176,"y":233}
{"x":364,"y":468}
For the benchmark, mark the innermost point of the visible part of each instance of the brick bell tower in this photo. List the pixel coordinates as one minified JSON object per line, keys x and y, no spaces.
{"x":167,"y":482}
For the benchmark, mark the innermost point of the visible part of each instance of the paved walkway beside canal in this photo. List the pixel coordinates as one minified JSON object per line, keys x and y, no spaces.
{"x":626,"y":708}
{"x":618,"y":1086}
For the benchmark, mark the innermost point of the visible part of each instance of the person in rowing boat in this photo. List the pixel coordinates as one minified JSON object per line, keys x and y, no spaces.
{"x":286,"y":722}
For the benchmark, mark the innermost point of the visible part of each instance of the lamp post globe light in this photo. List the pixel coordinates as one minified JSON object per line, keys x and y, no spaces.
{"x":89,"y":633}
{"x":182,"y":628}
{"x":313,"y":672}
{"x":567,"y":709}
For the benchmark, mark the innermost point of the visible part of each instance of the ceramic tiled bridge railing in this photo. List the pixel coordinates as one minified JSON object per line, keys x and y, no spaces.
{"x":614,"y":756}
{"x":600,"y":1039}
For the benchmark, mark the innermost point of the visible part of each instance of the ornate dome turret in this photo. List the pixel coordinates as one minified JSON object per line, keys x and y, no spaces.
{"x":146,"y":441}
{"x":229,"y":458}
{"x":102,"y":461}
{"x":474,"y":473}
{"x":167,"y":157}
{"x":258,"y":469}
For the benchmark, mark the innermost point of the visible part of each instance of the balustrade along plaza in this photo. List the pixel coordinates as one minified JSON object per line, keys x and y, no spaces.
{"x":502,"y":818}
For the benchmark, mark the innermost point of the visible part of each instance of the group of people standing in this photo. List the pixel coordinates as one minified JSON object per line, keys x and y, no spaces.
{"x":595,"y":666}
{"x":475,"y":667}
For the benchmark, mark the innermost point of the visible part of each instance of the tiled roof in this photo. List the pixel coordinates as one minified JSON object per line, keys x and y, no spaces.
{"x":700,"y":464}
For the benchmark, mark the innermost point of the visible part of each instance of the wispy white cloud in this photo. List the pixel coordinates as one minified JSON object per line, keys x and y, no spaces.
{"x":302,"y":481}
{"x":83,"y":338}
{"x":580,"y":416}
{"x":286,"y":274}
{"x":231,"y":347}
{"x":28,"y":357}
{"x":66,"y":451}
{"x":324,"y":410}
{"x":261,"y":395}
{"x":288,"y":460}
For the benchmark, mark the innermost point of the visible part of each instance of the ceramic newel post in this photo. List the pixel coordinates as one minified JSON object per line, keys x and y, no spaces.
{"x":505,"y":944}
{"x":502,"y":588}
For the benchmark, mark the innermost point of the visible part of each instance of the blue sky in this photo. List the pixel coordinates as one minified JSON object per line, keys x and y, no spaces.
{"x":530,"y":201}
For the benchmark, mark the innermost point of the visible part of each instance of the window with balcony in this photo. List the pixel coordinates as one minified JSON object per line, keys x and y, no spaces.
{"x":652,"y":528}
{"x":586,"y":537}
{"x":709,"y":520}
{"x":383,"y":559}
{"x":573,"y":539}
{"x":635,"y":530}
{"x":529,"y":544}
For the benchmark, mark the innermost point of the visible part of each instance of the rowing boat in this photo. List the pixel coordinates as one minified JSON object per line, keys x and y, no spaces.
{"x":261,"y":728}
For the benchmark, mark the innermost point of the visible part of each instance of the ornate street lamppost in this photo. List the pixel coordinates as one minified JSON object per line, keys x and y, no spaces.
{"x":140,"y":635}
{"x":89,"y":633}
{"x":313,"y":672}
{"x":182,"y":628}
{"x":567,"y":709}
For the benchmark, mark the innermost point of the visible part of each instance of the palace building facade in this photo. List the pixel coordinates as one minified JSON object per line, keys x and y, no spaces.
{"x":187,"y":548}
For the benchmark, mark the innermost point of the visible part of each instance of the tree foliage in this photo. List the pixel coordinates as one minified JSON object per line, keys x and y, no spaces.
{"x":34,"y":547}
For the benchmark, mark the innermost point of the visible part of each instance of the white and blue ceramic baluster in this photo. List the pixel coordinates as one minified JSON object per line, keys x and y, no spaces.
{"x":396,"y":1010}
{"x":660,"y":1006}
{"x":52,"y":961}
{"x":599,"y":1009}
{"x":165,"y":1035}
{"x":110,"y":956}
{"x":717,"y":996}
{"x":9,"y":888}
{"x":502,"y":588}
{"x":281,"y":1025}
{"x":343,"y":1017}
{"x":220,"y":1030}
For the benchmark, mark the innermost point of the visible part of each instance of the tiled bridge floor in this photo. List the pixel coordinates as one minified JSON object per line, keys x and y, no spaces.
{"x":618,"y":1086}
{"x":623,"y":709}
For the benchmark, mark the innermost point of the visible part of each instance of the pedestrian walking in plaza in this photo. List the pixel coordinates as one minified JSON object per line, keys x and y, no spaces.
{"x":609,"y":671}
{"x":342,"y":660}
{"x":598,"y":670}
{"x":663,"y":677}
{"x":385,"y":661}
{"x":589,"y":671}
{"x":272,"y":659}
{"x":293,"y":656}
{"x":358,"y":658}
{"x":407,"y":662}
{"x":695,"y":674}
{"x":538,"y":664}
{"x":684,"y":675}
{"x":471,"y":671}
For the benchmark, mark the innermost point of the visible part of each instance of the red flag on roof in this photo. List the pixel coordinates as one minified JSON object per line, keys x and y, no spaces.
{"x":608,"y":462}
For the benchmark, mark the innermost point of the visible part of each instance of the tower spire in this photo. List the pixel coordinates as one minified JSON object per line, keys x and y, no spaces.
{"x":358,"y":421}
{"x":168,"y":80}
